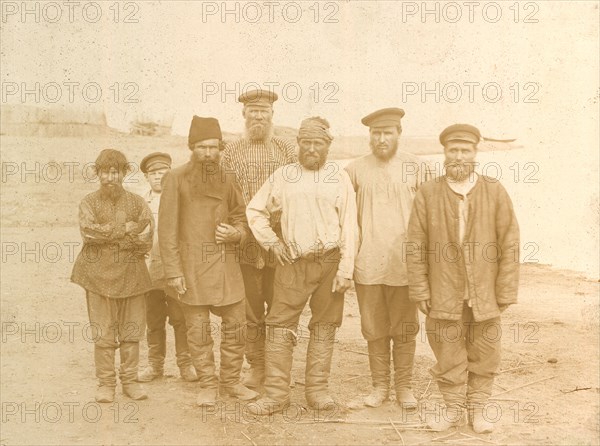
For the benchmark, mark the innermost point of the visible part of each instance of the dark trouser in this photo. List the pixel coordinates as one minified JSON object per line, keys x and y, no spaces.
{"x":159,"y":306}
{"x":259,"y":291}
{"x":467,"y":352}
{"x":387,"y":314}
{"x":200,"y":341}
{"x":116,"y":323}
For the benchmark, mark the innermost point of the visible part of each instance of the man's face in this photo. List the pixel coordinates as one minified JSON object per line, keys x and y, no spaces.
{"x":206,"y":151}
{"x":313,"y":152}
{"x":384,"y":141}
{"x":460,"y":159}
{"x":259,"y":119}
{"x":154,"y":176}
{"x":111,"y":181}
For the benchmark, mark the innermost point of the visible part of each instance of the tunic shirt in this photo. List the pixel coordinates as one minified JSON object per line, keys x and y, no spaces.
{"x":154,"y":261}
{"x":318,"y":212}
{"x":385,"y":193}
{"x":111,"y":263}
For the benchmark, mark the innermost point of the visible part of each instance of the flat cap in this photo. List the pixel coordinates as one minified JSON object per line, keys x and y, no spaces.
{"x":460,"y":132}
{"x":204,"y":128}
{"x":384,"y":118}
{"x":156,"y":160}
{"x":258,"y":97}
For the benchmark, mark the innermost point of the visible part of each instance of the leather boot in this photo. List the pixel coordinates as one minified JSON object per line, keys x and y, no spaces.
{"x":379,"y":363}
{"x":404,"y":354}
{"x":130,"y":355}
{"x":255,"y":355}
{"x":104,"y":358}
{"x":232,"y":356}
{"x":318,"y":366}
{"x":201,"y":343}
{"x":182,"y":351}
{"x":445,"y":417}
{"x":279,"y":348}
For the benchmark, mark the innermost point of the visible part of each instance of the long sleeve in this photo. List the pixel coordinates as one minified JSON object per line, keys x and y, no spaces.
{"x":507,"y":233}
{"x":259,"y":211}
{"x":349,"y":229}
{"x":416,"y":249}
{"x":168,"y":227}
{"x":95,"y":233}
{"x":142,"y":235}
{"x":237,"y":215}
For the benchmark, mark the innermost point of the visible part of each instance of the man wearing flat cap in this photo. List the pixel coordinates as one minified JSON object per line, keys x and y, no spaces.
{"x":160,"y":306}
{"x":253,"y":158}
{"x":201,"y":224}
{"x":463,"y":268}
{"x":315,"y":259}
{"x":385,"y":182}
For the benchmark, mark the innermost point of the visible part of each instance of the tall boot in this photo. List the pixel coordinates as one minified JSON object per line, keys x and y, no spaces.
{"x":403,"y":354}
{"x":104,"y":358}
{"x":279,"y":348}
{"x":130,"y":356}
{"x":232,"y":357}
{"x":157,"y":349}
{"x":379,"y":363}
{"x":201,"y":343}
{"x":479,"y":389}
{"x":255,"y":355}
{"x":182,"y":353}
{"x":318,"y":366}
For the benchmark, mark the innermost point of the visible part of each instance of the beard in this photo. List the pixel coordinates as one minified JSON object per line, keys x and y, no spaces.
{"x":384,"y":151}
{"x":201,"y":174}
{"x":459,"y":171}
{"x":111,"y":191}
{"x":258,"y":131}
{"x":312,"y":162}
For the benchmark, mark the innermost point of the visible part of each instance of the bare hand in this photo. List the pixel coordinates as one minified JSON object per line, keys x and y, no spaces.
{"x":227,"y":234}
{"x":178,"y":283}
{"x":424,"y":306}
{"x":281,"y":254}
{"x":340,"y":284}
{"x":130,"y":226}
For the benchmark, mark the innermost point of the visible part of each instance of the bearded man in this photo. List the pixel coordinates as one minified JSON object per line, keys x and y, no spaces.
{"x":117,"y":228}
{"x":315,"y":259}
{"x":463,"y":272}
{"x":385,"y":182}
{"x":253,"y":158}
{"x":201,"y":224}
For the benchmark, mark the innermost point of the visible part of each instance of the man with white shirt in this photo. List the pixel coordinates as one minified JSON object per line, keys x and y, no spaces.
{"x":463,"y":267}
{"x":315,"y":259}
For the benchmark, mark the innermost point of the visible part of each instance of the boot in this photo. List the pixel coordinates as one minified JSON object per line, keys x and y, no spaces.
{"x":207,"y":397}
{"x":130,"y":355}
{"x":188,"y":373}
{"x":479,"y":389}
{"x":477,"y":417}
{"x":182,"y":352}
{"x":232,"y":357}
{"x":255,"y":355}
{"x":379,"y":363}
{"x":404,"y":355}
{"x":279,"y":348}
{"x":149,"y":374}
{"x":445,"y":417}
{"x":318,"y":366}
{"x":104,"y":358}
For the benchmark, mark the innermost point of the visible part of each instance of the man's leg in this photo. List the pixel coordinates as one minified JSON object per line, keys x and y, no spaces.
{"x":327,"y":310}
{"x":233,"y":340}
{"x":404,"y":320}
{"x":182,"y":351}
{"x":483,"y":353}
{"x":290,"y":294}
{"x":104,"y":324}
{"x":200,"y":342}
{"x":132,"y":323}
{"x":375,"y":328}
{"x":156,"y":335}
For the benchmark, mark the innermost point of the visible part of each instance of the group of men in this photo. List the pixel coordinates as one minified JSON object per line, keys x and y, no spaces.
{"x":253,"y":230}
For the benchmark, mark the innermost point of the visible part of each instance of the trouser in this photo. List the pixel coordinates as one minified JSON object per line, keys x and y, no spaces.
{"x":259,"y":291}
{"x":467,"y":353}
{"x":387,"y":314}
{"x":159,"y":306}
{"x":116,"y":323}
{"x":200,"y":341}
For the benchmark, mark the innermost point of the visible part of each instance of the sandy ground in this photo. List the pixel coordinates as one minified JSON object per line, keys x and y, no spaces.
{"x":47,"y":374}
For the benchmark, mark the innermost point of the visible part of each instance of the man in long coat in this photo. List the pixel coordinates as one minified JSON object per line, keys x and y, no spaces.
{"x":201,"y":223}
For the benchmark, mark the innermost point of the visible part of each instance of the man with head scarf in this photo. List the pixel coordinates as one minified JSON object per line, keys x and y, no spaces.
{"x":463,"y":271}
{"x":202,"y":221}
{"x":253,"y":158}
{"x":117,"y":227}
{"x":385,"y":182}
{"x":315,"y":259}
